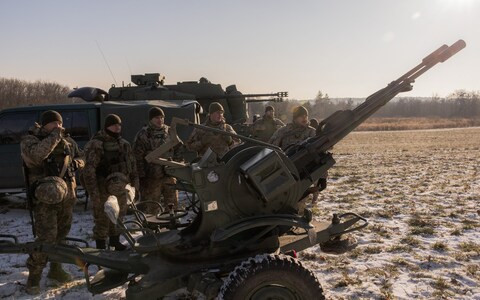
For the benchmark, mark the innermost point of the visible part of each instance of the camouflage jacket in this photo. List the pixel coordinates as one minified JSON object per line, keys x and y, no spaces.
{"x":148,"y":139}
{"x":200,"y":140}
{"x":291,"y":134}
{"x":265,"y":127}
{"x":105,"y":155}
{"x":44,"y":154}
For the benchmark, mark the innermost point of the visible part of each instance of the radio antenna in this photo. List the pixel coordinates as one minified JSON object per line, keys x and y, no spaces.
{"x":129,"y":68}
{"x":106,"y":62}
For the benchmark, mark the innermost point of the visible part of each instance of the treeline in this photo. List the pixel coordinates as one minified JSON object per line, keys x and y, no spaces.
{"x":460,"y":104}
{"x":16,"y":92}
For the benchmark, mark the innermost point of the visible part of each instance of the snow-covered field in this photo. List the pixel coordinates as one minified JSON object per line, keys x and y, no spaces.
{"x":419,"y":189}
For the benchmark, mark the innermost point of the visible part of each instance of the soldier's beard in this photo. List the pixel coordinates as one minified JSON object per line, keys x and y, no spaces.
{"x":112,"y":134}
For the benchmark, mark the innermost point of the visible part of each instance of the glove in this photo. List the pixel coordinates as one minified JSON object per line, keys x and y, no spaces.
{"x":60,"y":131}
{"x":76,"y":164}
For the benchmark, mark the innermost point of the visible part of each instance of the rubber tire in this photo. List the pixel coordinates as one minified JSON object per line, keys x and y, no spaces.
{"x":267,"y":270}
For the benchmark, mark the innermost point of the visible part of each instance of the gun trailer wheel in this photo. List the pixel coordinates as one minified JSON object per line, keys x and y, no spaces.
{"x":271,"y":277}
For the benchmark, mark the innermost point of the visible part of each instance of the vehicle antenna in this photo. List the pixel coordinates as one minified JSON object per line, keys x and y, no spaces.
{"x":106,"y":62}
{"x":129,"y":68}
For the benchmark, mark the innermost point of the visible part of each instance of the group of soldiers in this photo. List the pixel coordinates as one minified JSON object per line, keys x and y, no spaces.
{"x":108,"y":163}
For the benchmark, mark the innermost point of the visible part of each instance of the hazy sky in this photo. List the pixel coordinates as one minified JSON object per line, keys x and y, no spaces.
{"x":344,"y":48}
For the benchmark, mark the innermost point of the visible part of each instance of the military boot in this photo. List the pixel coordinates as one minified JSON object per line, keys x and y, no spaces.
{"x":57,"y":273}
{"x":33,"y":284}
{"x":101,"y":244}
{"x":115,"y":242}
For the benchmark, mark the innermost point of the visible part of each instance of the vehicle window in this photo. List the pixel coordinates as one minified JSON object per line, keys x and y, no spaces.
{"x":14,"y":125}
{"x":76,"y":124}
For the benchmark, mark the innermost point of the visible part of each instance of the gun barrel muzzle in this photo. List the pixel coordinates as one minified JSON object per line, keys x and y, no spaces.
{"x":452,"y":50}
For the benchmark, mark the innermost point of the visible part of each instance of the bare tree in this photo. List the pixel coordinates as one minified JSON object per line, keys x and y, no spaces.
{"x":15,"y":92}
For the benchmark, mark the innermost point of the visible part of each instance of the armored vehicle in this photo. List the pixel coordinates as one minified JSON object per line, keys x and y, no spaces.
{"x":247,"y":229}
{"x":151,"y":86}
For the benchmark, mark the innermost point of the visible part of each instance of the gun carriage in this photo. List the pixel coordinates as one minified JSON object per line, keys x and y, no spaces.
{"x":242,"y":241}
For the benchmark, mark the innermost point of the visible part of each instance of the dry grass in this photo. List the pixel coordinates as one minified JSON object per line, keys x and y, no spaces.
{"x":420,"y":191}
{"x":470,"y":247}
{"x":347,"y":280}
{"x":441,"y":286}
{"x":440,"y":246}
{"x":376,"y":124}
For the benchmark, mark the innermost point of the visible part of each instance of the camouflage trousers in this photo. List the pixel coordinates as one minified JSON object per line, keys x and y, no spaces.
{"x":160,"y":190}
{"x":52,"y":225}
{"x":103,"y":227}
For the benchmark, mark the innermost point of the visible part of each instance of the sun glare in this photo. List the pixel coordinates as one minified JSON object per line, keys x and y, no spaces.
{"x":416,"y":15}
{"x":459,"y":4}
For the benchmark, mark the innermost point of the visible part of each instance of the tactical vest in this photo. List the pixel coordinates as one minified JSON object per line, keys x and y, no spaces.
{"x":265,"y":128}
{"x":114,"y":158}
{"x":61,"y":157}
{"x":216,"y":141}
{"x":157,"y":137}
{"x":293,"y":135}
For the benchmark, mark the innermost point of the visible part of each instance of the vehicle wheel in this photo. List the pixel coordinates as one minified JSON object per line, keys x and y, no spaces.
{"x":270,"y":276}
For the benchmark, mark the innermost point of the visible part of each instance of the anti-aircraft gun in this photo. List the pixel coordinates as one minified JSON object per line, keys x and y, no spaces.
{"x":242,"y":242}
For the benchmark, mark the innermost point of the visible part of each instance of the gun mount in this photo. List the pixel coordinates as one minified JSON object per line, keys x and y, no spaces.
{"x":247,"y":223}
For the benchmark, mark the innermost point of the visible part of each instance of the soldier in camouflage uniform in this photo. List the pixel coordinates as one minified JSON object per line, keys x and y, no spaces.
{"x":109,"y":167}
{"x":200,"y":140}
{"x":294,"y":132}
{"x":265,"y":127}
{"x":51,"y":159}
{"x":154,"y":183}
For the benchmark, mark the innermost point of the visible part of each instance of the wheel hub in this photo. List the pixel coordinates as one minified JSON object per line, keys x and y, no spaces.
{"x":274,"y":292}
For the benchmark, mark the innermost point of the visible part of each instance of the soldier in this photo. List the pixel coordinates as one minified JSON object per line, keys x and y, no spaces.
{"x":200,"y":140}
{"x":265,"y":127}
{"x":109,"y":167}
{"x":153,"y":181}
{"x":51,"y":159}
{"x":294,"y":132}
